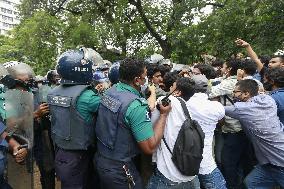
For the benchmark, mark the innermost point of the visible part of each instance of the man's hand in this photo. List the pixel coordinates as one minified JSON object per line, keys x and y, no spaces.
{"x":164,"y":110}
{"x":240,"y":74}
{"x":42,"y":110}
{"x":152,"y":88}
{"x":242,"y":43}
{"x":20,"y":154}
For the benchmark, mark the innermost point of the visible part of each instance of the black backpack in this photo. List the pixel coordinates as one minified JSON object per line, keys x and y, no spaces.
{"x":188,"y":148}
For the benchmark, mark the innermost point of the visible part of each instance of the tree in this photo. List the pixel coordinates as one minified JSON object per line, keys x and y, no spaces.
{"x":258,"y":22}
{"x":8,"y":50}
{"x":142,"y":27}
{"x":38,"y":37}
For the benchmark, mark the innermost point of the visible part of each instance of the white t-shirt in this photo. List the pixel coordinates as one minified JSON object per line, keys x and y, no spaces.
{"x":162,"y":156}
{"x":201,"y":110}
{"x":207,"y":113}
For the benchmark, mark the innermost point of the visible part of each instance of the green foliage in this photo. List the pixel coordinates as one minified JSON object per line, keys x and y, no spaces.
{"x":142,"y":27}
{"x":258,"y":22}
{"x":39,"y":38}
{"x":8,"y":50}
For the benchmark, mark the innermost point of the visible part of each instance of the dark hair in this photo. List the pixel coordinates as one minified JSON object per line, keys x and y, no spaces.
{"x":217,"y":63}
{"x":234,"y":64}
{"x":169,"y":79}
{"x":281,"y":57}
{"x":152,"y":69}
{"x":130,"y":68}
{"x":276,"y":75}
{"x":264,"y":59}
{"x":248,"y":85}
{"x":164,"y":69}
{"x":207,"y":70}
{"x":249,"y":66}
{"x":186,"y":86}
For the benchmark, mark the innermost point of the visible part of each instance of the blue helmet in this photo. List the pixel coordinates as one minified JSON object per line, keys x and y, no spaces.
{"x":75,"y":66}
{"x":100,"y":76}
{"x":113,"y":73}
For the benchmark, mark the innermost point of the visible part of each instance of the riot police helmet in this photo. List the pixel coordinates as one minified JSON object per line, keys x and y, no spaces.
{"x":75,"y":66}
{"x":113,"y":73}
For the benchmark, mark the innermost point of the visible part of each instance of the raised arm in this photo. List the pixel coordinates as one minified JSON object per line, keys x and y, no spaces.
{"x":251,"y":53}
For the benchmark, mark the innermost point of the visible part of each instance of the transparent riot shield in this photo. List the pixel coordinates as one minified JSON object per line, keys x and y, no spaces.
{"x":19,"y":120}
{"x":42,"y":92}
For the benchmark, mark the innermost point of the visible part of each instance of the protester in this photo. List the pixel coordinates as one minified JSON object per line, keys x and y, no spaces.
{"x":166,"y":175}
{"x":234,"y":161}
{"x":258,"y":115}
{"x":275,"y":84}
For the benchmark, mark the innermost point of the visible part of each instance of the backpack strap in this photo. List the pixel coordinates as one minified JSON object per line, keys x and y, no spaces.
{"x":226,"y":97}
{"x":167,"y":145}
{"x":184,"y":108}
{"x":187,"y":115}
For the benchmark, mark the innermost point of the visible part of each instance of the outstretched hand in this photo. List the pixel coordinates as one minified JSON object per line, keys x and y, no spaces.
{"x":241,"y":43}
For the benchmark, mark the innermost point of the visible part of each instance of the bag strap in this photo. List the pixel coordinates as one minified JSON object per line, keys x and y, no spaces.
{"x":185,"y":110}
{"x":226,"y":97}
{"x":167,"y":145}
{"x":187,"y":115}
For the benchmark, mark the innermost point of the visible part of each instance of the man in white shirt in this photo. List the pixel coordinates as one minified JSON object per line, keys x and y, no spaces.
{"x":166,"y":174}
{"x":207,"y":113}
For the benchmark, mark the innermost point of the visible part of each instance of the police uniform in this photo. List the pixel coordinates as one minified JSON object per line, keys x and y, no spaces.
{"x":72,"y":110}
{"x":43,"y":149}
{"x":123,"y":121}
{"x":3,"y":143}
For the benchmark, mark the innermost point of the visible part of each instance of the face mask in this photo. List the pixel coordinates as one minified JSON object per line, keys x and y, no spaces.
{"x":8,"y":81}
{"x":267,"y":86}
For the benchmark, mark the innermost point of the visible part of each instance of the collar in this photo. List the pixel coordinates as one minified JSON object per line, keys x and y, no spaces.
{"x":202,"y":96}
{"x":277,"y":90}
{"x":125,"y":87}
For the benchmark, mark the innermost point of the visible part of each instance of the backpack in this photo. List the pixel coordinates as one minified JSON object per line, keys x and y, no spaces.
{"x":188,"y":148}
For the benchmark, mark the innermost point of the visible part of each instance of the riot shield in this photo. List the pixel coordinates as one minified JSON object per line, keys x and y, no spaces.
{"x":19,"y":120}
{"x":42,"y":92}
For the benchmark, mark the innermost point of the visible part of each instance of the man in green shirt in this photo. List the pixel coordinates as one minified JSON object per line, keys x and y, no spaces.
{"x":123,"y":128}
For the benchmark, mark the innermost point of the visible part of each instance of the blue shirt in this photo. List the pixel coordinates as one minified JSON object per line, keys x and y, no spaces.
{"x":259,"y":120}
{"x":278,"y":96}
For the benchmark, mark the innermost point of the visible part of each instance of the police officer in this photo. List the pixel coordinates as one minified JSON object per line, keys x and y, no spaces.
{"x":6,"y":139}
{"x":123,"y":128}
{"x":113,"y":73}
{"x":73,"y":106}
{"x":43,"y":146}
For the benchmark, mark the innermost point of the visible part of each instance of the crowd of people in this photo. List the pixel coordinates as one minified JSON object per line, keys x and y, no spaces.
{"x":118,"y":125}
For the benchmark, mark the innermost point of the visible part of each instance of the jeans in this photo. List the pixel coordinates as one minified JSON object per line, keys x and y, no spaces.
{"x":235,"y":159}
{"x":159,"y":181}
{"x":218,"y":145}
{"x":265,"y":177}
{"x":213,"y":180}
